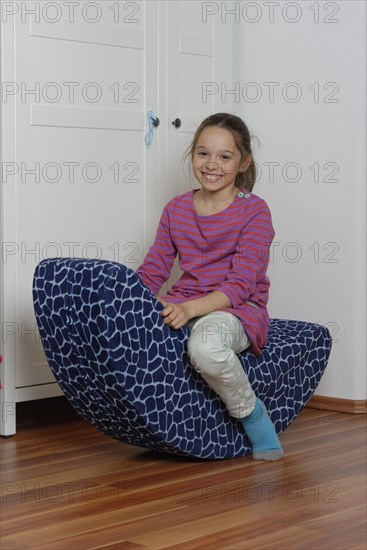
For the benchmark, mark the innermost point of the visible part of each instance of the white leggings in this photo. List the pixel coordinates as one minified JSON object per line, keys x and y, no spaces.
{"x":215,"y":340}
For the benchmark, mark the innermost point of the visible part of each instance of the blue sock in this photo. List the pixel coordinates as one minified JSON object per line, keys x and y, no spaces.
{"x":262,"y":435}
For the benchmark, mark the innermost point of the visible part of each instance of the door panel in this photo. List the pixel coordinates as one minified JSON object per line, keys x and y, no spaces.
{"x":80,"y":152}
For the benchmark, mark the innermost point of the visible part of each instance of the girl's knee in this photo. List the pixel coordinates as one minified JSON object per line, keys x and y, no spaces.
{"x":207,"y":357}
{"x":194,"y":349}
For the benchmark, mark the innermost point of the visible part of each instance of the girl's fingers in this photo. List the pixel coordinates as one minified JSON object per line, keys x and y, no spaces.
{"x":171,"y":318}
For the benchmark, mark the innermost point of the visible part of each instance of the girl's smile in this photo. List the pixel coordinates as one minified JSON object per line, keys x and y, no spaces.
{"x":211,"y":177}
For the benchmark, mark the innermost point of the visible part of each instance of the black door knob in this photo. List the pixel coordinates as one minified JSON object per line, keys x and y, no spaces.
{"x":176,"y":122}
{"x":156,"y":122}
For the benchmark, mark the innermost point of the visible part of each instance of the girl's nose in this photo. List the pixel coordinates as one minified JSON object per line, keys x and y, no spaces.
{"x":211,"y":165}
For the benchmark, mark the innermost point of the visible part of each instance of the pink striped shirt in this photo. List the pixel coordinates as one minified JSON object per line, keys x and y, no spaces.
{"x":226,"y":251}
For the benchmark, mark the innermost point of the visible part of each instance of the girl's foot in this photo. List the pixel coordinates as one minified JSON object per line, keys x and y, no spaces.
{"x":262,"y":435}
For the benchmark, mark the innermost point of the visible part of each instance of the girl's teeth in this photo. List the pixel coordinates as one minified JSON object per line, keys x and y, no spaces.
{"x":211,"y":177}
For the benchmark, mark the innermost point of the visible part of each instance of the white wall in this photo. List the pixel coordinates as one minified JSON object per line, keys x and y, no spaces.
{"x":321,"y":278}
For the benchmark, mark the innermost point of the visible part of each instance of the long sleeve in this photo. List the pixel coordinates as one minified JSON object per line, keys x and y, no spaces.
{"x":157,"y":265}
{"x":251,"y":258}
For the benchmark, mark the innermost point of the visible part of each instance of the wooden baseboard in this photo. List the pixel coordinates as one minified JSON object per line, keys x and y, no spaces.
{"x":337,"y":404}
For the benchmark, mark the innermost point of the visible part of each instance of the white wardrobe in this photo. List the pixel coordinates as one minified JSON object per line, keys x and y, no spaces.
{"x":77,"y":176}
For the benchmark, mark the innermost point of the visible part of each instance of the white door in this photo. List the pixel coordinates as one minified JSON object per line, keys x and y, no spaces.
{"x":78,"y":179}
{"x":75,"y":173}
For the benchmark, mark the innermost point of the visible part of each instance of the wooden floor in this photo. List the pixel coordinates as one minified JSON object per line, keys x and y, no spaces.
{"x":67,"y":486}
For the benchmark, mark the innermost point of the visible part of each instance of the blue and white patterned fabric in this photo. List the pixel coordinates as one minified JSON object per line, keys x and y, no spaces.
{"x":128,"y":374}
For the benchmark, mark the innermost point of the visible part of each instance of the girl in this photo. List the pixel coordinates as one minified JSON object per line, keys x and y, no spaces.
{"x":222,"y":233}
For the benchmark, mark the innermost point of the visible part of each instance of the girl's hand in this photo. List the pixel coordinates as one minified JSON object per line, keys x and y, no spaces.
{"x":174,"y":315}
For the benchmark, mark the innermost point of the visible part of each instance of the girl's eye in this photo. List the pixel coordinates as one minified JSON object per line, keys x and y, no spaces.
{"x":226,"y":157}
{"x":201,"y":153}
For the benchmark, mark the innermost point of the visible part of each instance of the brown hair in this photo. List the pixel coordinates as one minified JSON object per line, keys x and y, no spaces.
{"x":242,"y":138}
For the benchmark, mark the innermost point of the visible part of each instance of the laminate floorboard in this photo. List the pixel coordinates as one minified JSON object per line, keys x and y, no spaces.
{"x":66,"y":485}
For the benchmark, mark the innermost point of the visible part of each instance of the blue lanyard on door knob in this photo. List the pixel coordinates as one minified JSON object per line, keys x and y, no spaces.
{"x":152,"y":122}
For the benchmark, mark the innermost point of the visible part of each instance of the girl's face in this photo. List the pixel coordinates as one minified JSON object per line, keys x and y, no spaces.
{"x":216,"y":159}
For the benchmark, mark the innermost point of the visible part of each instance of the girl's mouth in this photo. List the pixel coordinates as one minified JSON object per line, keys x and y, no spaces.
{"x":211,"y":177}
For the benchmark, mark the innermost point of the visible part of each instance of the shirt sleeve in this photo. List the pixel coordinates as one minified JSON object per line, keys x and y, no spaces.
{"x":251,"y":257}
{"x":157,"y":265}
